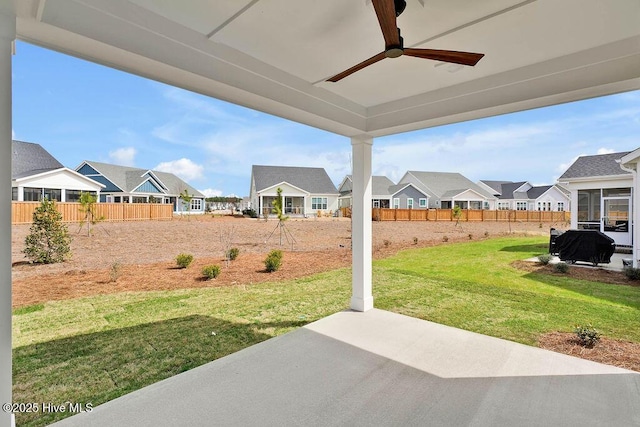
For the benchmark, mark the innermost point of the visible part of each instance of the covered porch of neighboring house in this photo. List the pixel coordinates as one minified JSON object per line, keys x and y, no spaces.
{"x":248,"y":53}
{"x":291,"y":205}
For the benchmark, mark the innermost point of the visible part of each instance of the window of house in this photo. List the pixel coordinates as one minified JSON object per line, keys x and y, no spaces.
{"x":475,"y":205}
{"x":14,"y":193}
{"x":196,"y":204}
{"x":544,"y":206}
{"x":422,"y":203}
{"x":32,"y":194}
{"x":319,"y":203}
{"x":560,"y":206}
{"x":376,"y":203}
{"x":396,"y":203}
{"x":139,"y":199}
{"x":503,"y":206}
{"x":409,"y":203}
{"x":53,"y":194}
{"x":521,"y":206}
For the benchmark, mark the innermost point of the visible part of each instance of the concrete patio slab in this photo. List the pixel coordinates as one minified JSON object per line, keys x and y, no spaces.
{"x":615,"y":264}
{"x":382,"y":368}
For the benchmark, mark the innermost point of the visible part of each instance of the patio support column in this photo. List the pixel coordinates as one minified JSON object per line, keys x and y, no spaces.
{"x":362,"y":296}
{"x":7,"y":36}
{"x":574,"y":209}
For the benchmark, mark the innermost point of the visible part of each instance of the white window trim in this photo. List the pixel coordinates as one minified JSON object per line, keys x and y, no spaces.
{"x":409,"y":203}
{"x":422,"y":202}
{"x":396,"y":203}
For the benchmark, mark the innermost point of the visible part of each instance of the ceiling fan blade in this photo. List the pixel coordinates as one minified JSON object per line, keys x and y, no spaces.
{"x":464,"y":58}
{"x":360,"y":66}
{"x":386,"y":12}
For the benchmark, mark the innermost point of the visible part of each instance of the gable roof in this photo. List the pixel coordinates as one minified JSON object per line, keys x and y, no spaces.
{"x":28,"y":159}
{"x":594,"y":166}
{"x":129,"y":178}
{"x":312,"y":180}
{"x":508,"y":190}
{"x":445,"y":184}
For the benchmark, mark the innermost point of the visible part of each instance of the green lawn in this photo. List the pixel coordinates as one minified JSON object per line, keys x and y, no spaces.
{"x":95,"y":349}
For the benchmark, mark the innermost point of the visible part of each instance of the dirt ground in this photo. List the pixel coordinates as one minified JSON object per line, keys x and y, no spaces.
{"x":140,"y":256}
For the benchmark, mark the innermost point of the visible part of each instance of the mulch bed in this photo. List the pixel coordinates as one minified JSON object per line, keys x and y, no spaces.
{"x":622,"y":354}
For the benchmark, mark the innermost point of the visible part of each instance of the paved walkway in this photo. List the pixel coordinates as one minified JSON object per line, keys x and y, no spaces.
{"x":614,"y":265}
{"x":381,"y":368}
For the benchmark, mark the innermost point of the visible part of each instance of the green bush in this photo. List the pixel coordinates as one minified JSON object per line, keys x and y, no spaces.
{"x":273,"y":261}
{"x":561,"y":267}
{"x":544,"y":259}
{"x":632,"y":273}
{"x":48,"y":241}
{"x":183,"y":260}
{"x":211,"y":271}
{"x":587,"y":334}
{"x":232,"y":254}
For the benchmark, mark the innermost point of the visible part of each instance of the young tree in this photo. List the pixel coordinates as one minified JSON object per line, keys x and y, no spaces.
{"x":48,"y":241}
{"x":88,"y":208}
{"x":186,"y":200}
{"x":457,"y":214}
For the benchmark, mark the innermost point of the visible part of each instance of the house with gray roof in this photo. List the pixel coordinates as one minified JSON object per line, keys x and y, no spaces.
{"x":305,"y":191}
{"x":523,"y":195}
{"x":386,"y":194}
{"x":601,"y":195}
{"x":36,"y":175}
{"x":124,"y":184}
{"x":448,"y":189}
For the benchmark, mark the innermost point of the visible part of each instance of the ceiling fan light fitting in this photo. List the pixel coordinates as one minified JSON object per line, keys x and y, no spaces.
{"x":393,"y":51}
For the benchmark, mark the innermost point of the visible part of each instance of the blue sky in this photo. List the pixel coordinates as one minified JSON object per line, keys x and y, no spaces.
{"x":79,"y":111}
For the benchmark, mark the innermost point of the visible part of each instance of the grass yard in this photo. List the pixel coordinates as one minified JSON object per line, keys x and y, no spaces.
{"x":94,"y":349}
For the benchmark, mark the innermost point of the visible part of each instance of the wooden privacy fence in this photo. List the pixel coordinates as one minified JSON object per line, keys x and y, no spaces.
{"x":22,"y":212}
{"x":467,"y":215}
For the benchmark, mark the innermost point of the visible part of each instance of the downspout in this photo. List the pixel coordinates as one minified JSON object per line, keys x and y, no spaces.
{"x":635,"y":231}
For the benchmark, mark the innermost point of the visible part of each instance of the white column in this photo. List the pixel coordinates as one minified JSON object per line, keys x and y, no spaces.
{"x":7,"y":35}
{"x":574,"y":208}
{"x":635,"y":220}
{"x":362,"y":297}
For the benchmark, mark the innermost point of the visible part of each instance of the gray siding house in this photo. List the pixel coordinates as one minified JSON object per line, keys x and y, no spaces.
{"x":125,"y":184}
{"x":524,"y":196}
{"x":386,"y":194}
{"x":36,"y":175}
{"x":448,"y":189}
{"x":305,"y":191}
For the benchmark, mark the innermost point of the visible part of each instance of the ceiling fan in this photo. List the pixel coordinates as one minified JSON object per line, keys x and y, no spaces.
{"x":387,"y":12}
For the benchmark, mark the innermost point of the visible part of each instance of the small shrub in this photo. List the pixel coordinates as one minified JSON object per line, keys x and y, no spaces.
{"x":48,"y":241}
{"x":415,"y":240}
{"x":183,"y":260}
{"x":114,"y":271}
{"x":232,"y":254}
{"x":273,"y":261}
{"x":445,"y":239}
{"x":250,"y":212}
{"x":561,"y":267}
{"x":587,"y":334}
{"x":544,"y":259}
{"x":211,"y":271}
{"x":632,"y":273}
{"x":486,"y":234}
{"x":470,"y":236}
{"x":386,"y":243}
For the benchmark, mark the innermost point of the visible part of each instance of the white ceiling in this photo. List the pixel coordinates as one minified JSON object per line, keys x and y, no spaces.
{"x":275,"y":55}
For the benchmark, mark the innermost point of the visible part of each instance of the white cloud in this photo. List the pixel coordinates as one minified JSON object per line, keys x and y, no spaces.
{"x":211,"y":192}
{"x":123,"y":156}
{"x":184,"y":168}
{"x":606,"y":151}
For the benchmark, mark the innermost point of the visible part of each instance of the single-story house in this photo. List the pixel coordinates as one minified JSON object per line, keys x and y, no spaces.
{"x":522,"y":196}
{"x":305,"y":191}
{"x":36,"y":175}
{"x":386,"y":194}
{"x":601,"y":194}
{"x":448,"y":189}
{"x":125,"y":184}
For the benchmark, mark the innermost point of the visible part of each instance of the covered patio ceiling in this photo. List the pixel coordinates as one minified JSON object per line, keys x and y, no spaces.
{"x":276,"y":55}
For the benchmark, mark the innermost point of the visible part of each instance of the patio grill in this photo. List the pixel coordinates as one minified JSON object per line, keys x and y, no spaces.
{"x":585,"y":245}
